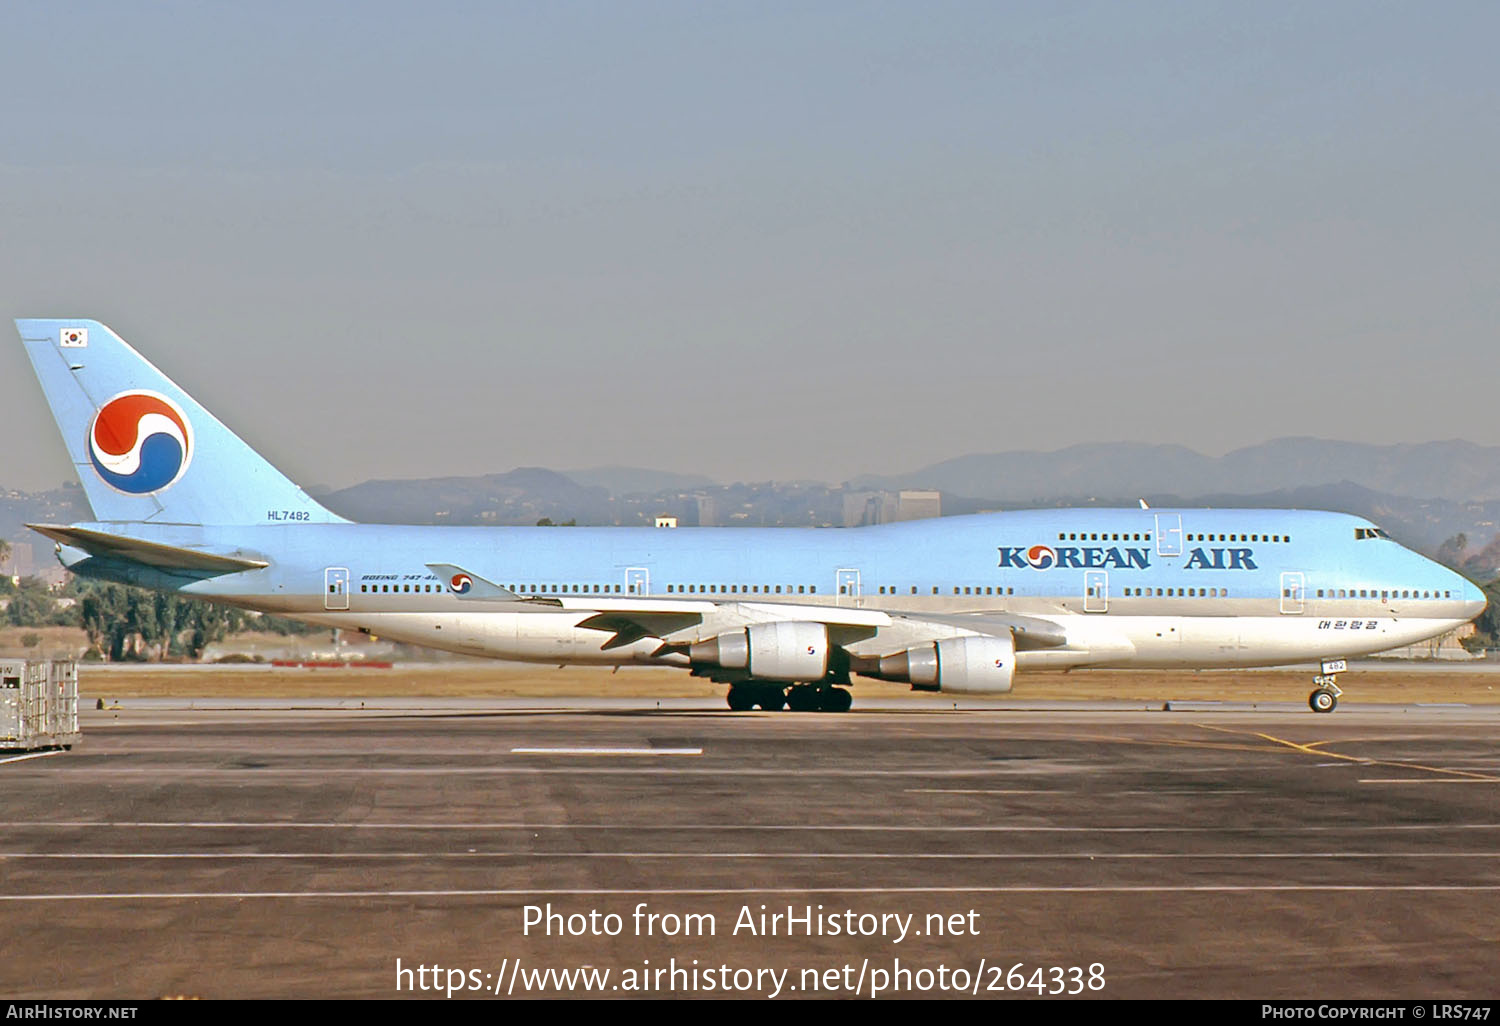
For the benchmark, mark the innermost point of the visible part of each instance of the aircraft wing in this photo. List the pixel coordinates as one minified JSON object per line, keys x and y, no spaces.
{"x":630,"y":618}
{"x":165,"y":557}
{"x":1030,"y":632}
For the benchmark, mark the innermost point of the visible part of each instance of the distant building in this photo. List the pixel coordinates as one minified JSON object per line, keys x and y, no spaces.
{"x":861,"y":509}
{"x":880,"y":507}
{"x":708,"y":511}
{"x":663,"y":520}
{"x":918,"y":505}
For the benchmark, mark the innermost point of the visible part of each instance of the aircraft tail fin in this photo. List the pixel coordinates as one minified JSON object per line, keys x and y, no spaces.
{"x":144,"y":449}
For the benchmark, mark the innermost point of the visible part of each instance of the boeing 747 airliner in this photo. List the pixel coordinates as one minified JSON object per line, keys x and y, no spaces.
{"x":785,"y":617}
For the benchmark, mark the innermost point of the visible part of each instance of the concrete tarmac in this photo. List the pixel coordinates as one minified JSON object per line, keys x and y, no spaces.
{"x":260,"y":850}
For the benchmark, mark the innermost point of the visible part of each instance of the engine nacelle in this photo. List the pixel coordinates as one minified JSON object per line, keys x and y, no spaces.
{"x":781,"y":650}
{"x":958,"y":666}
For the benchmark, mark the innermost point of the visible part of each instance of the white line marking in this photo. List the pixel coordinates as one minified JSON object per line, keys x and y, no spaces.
{"x":193,"y":773}
{"x":13,"y":825}
{"x":1428,"y":780}
{"x":978,"y":790}
{"x":33,"y":755}
{"x":604,"y":892}
{"x":1079,"y":794}
{"x":606,"y":751}
{"x":900,"y":856}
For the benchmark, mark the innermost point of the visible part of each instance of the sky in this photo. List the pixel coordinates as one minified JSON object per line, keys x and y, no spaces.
{"x":759,"y":240}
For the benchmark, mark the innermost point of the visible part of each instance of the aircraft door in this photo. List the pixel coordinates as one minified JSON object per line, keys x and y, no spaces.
{"x":1169,"y":534}
{"x":1292,"y":592}
{"x":336,"y":588}
{"x":637,"y":581}
{"x":846,"y":587}
{"x":1096,"y":591}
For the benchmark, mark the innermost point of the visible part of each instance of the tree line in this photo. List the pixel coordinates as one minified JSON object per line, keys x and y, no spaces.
{"x":125,"y":623}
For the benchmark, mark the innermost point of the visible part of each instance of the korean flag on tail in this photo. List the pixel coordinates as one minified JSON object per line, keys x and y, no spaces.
{"x":74,"y":338}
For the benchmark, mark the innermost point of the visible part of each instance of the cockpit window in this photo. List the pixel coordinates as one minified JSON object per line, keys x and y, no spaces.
{"x":1361,"y":533}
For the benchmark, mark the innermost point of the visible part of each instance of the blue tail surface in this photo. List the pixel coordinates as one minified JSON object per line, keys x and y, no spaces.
{"x":143,"y":448}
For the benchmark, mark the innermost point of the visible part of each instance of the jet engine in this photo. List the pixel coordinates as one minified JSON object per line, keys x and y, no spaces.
{"x":959,"y":666}
{"x":781,"y":650}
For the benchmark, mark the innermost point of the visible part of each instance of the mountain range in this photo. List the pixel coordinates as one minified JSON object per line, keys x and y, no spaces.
{"x":1424,"y":494}
{"x":1458,"y":471}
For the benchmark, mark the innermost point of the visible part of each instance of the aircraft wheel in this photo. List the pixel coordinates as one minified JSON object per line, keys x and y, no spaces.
{"x":772,"y":698}
{"x":740,"y":699}
{"x":802,"y":698}
{"x":836,"y":700}
{"x":1323,"y":701}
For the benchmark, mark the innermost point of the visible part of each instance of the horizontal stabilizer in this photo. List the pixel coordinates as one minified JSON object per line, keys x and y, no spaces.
{"x":165,"y":557}
{"x":468,"y":585}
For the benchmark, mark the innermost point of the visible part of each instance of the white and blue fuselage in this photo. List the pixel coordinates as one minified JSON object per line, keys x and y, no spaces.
{"x":1158,"y":588}
{"x":954,"y":604}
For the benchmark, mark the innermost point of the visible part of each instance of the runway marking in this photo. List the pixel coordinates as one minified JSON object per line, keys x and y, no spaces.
{"x":767,"y":827}
{"x":1162,"y":742}
{"x":1312,"y":749}
{"x":1429,"y":780}
{"x":979,"y":790}
{"x":606,"y":751}
{"x":852,"y":855}
{"x":500,"y":892}
{"x":32,"y":755}
{"x":1216,"y":792}
{"x":313,"y":773}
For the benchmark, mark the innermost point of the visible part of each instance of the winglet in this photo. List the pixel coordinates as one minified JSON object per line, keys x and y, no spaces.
{"x":468,"y":585}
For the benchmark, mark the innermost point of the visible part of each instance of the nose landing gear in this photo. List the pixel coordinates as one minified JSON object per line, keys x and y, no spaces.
{"x":1326,"y":698}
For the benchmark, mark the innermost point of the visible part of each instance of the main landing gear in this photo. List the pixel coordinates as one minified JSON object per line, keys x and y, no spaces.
{"x":748,"y":694}
{"x":1326,"y":698}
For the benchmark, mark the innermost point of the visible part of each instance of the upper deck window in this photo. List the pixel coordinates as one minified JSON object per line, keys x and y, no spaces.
{"x":1361,"y":533}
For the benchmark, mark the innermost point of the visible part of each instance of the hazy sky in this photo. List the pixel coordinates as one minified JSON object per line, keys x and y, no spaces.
{"x":759,"y":240}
